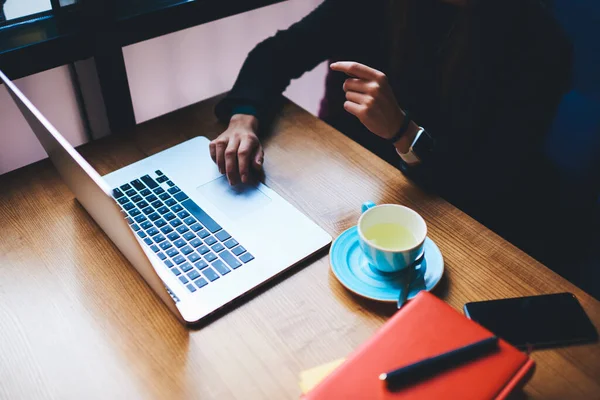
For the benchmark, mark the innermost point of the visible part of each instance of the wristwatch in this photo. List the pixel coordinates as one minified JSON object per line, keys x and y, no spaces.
{"x":419,"y":149}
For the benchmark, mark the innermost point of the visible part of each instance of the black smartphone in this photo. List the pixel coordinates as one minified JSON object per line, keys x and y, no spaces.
{"x":536,"y":321}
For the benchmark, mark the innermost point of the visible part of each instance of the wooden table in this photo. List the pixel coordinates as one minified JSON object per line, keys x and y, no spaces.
{"x":76,"y":321}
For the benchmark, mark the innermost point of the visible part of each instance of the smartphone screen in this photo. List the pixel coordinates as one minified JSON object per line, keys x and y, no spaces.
{"x":538,"y":321}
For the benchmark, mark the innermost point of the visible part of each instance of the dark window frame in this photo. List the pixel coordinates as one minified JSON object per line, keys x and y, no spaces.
{"x":100,"y":29}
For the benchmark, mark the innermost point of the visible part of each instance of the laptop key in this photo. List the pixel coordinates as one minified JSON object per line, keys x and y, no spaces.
{"x":142,"y":204}
{"x":188,"y":235}
{"x":246,"y":257}
{"x":170,"y":183}
{"x":168,"y":201}
{"x":221,"y":267}
{"x":149,"y":181}
{"x":183,"y":214}
{"x":169,"y":263}
{"x":173,"y":190}
{"x":166,"y":229}
{"x":130,"y":193}
{"x":148,"y":241}
{"x":129,"y":221}
{"x":125,"y":187}
{"x":183,"y":279}
{"x":157,"y":204}
{"x":176,"y":271}
{"x":200,"y":282}
{"x":138,"y":184}
{"x":151,"y":199}
{"x":182,"y":229}
{"x":193,"y":274}
{"x":210,"y":240}
{"x":218,"y":247}
{"x":178,"y":259}
{"x":162,"y":256}
{"x":177,"y":208}
{"x":162,"y":179}
{"x":117,"y":193}
{"x":136,"y":198}
{"x":191,"y":287}
{"x":158,"y":238}
{"x":165,"y":245}
{"x":140,"y":218}
{"x":153,"y":217}
{"x":172,"y":252}
{"x":146,"y":225}
{"x":186,"y":267}
{"x":180,"y":196}
{"x":210,"y":256}
{"x":158,"y":172}
{"x":128,"y":206}
{"x":201,"y":264}
{"x":142,"y":234}
{"x":193,"y":257}
{"x":148,"y":210}
{"x":186,"y":250}
{"x":231,"y":243}
{"x":179,"y":243}
{"x":145,"y":192}
{"x":123,"y":200}
{"x":169,"y":216}
{"x":203,"y":249}
{"x":238,"y":250}
{"x":160,"y":223}
{"x":163,"y":210}
{"x":210,"y":274}
{"x":135,"y":227}
{"x":223,"y":235}
{"x":159,"y":190}
{"x":155,"y":248}
{"x":230,"y":259}
{"x":176,"y":222}
{"x":152,"y":231}
{"x":203,"y":233}
{"x":173,"y":236}
{"x":134,"y":212}
{"x":189,"y":221}
{"x":195,"y":242}
{"x":196,"y":227}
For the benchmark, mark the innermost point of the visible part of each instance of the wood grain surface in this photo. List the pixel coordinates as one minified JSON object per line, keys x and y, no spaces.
{"x":76,"y":321}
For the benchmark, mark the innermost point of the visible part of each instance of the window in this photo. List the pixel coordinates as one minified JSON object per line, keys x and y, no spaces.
{"x":16,"y":9}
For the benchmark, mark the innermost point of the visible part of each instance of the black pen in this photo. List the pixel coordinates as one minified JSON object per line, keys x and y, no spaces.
{"x":433,"y":365}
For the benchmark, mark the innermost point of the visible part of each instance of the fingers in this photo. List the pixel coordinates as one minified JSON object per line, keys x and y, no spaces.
{"x":355,"y":109}
{"x":231,"y":161}
{"x":213,"y":151}
{"x":245,"y":156}
{"x":359,"y":98}
{"x":259,"y":158}
{"x":358,"y":70}
{"x":359,"y":85}
{"x":219,"y":146}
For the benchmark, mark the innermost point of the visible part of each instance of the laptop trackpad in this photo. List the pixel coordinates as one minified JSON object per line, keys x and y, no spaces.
{"x":237,"y":201}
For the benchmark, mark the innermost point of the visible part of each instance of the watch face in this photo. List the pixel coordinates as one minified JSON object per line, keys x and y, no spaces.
{"x":424,"y":145}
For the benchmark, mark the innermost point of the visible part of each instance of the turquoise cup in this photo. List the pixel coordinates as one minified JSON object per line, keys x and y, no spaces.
{"x":391,"y":260}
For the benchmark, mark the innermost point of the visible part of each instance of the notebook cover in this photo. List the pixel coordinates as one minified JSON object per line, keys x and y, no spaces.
{"x":426,"y":327}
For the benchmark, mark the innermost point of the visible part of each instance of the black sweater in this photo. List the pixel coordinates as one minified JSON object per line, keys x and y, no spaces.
{"x":488,"y":134}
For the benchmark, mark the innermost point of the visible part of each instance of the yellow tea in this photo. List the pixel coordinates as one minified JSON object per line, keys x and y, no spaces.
{"x":390,"y":236}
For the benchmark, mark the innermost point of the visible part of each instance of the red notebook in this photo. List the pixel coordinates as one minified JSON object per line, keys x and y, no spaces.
{"x":426,"y":327}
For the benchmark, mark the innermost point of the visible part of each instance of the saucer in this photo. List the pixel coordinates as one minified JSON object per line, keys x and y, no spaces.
{"x":351,"y":268}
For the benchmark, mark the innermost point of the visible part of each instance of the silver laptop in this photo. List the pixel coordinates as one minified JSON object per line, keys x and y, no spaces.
{"x":196,"y":241}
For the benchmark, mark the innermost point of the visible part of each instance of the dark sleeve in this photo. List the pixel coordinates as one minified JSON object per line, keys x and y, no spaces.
{"x":273,"y":63}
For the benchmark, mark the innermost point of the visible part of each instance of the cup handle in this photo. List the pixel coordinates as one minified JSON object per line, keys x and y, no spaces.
{"x":366,"y":205}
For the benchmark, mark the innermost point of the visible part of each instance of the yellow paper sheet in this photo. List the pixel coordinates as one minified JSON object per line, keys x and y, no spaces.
{"x":311,"y":377}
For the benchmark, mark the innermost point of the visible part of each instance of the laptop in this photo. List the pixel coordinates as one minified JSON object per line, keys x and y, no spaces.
{"x":197,"y":242}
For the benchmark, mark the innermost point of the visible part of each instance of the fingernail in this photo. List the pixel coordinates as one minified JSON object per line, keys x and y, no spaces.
{"x":244,"y":178}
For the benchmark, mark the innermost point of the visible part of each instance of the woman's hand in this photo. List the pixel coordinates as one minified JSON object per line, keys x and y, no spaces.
{"x":370,"y":98}
{"x":237,"y":151}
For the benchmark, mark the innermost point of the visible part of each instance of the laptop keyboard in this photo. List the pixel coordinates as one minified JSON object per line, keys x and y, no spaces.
{"x":190,"y":243}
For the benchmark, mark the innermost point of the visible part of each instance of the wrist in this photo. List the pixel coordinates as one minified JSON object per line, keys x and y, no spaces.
{"x":244,"y":121}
